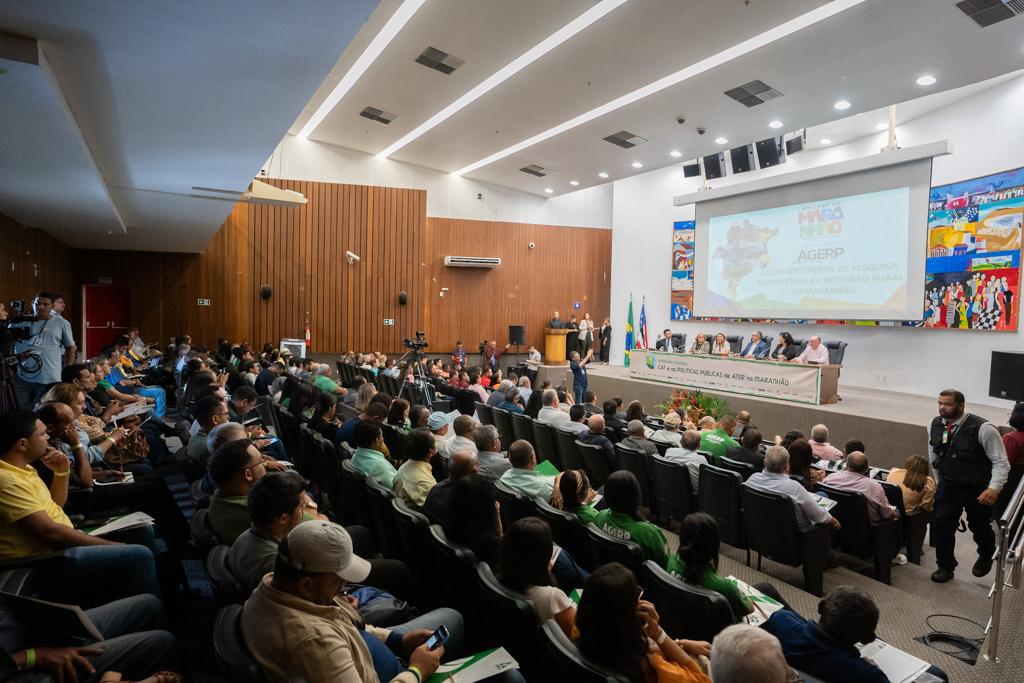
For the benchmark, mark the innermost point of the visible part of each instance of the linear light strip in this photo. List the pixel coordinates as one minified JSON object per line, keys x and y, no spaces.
{"x":761,"y":40}
{"x":511,"y":69}
{"x":391,"y":28}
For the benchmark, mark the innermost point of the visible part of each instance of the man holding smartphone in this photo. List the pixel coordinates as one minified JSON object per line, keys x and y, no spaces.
{"x":299,"y":623}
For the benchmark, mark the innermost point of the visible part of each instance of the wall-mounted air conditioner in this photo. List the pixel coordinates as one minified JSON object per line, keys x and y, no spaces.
{"x":472,"y":261}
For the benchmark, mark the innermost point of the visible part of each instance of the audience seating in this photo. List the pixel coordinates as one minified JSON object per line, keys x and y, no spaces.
{"x":719,"y":491}
{"x":521,"y":427}
{"x":635,"y":461}
{"x":229,"y":647}
{"x":568,"y":532}
{"x":504,"y":425}
{"x":607,"y":549}
{"x":483,"y":413}
{"x":662,"y":447}
{"x":567,"y":663}
{"x":671,"y":495}
{"x":289,"y":435}
{"x":742,"y":468}
{"x":16,"y":581}
{"x":353,"y":494}
{"x":686,"y":611}
{"x":772,"y":532}
{"x":544,"y":444}
{"x":454,"y":568}
{"x":913,"y":527}
{"x":511,"y":622}
{"x":265,"y":409}
{"x":384,"y":525}
{"x":203,"y":537}
{"x":594,"y":463}
{"x":227,"y":589}
{"x":565,"y":442}
{"x":514,"y":504}
{"x":345,"y":411}
{"x":859,"y":537}
{"x":395,"y":441}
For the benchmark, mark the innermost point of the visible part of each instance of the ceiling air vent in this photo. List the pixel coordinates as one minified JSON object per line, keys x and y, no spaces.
{"x":988,"y":12}
{"x":625,"y":139}
{"x":534,"y":169}
{"x":753,"y":93}
{"x":439,"y":60}
{"x":472,"y":261}
{"x":378,"y":115}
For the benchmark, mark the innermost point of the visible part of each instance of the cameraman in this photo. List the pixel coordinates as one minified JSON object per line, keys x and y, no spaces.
{"x":51,"y":343}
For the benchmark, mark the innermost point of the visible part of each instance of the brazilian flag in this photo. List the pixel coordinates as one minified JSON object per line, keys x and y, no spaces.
{"x":629,"y":331}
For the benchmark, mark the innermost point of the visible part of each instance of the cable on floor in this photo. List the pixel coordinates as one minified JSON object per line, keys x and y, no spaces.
{"x":958,"y":646}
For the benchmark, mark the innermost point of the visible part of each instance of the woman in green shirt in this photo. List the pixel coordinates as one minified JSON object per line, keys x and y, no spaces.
{"x":574,"y":485}
{"x":623,"y":520}
{"x":697,"y":561}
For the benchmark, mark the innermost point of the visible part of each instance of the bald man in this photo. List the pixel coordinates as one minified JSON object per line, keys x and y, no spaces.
{"x":814,"y":353}
{"x":461,"y":464}
{"x":856,"y":478}
{"x":595,"y":437}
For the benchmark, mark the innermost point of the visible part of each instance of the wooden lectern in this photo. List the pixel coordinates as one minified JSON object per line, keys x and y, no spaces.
{"x":554,"y":346}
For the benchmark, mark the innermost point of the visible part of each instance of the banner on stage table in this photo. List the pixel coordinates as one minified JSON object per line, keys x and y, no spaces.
{"x":788,"y":381}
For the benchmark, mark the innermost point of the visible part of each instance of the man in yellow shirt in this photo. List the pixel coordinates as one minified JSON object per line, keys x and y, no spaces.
{"x":415,"y":478}
{"x":32,"y":523}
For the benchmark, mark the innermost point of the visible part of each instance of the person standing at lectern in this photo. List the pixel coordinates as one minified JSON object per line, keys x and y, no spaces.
{"x":579,"y":373}
{"x":556,"y":323}
{"x":606,"y":340}
{"x":814,"y":353}
{"x":970,"y":461}
{"x":664,"y":343}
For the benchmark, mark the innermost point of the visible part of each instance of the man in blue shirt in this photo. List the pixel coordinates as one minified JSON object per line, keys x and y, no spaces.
{"x":756,"y":347}
{"x":51,"y":343}
{"x":579,"y":373}
{"x":827,"y":649}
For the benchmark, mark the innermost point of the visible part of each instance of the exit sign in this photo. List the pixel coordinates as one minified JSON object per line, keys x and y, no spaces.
{"x":388,"y":322}
{"x":203,"y":302}
{"x":576,"y":305}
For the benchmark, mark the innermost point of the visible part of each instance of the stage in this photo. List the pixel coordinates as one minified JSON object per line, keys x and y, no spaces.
{"x":893,"y":425}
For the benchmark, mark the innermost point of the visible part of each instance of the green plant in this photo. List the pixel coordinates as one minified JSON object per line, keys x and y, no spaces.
{"x":696,"y":403}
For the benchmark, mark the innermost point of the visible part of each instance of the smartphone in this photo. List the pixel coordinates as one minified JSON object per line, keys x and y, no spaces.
{"x":437,"y":638}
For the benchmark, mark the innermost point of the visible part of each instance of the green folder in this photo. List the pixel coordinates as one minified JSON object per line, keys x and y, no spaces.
{"x":547,"y":468}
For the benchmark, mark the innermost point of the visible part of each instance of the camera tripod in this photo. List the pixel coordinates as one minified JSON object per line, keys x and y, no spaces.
{"x":419,"y":383}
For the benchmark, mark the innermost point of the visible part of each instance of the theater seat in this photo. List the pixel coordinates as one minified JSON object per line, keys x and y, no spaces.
{"x":567,"y":663}
{"x":686,"y":611}
{"x":719,"y":496}
{"x":859,"y":537}
{"x":514,"y":504}
{"x":836,"y":351}
{"x":522,"y":428}
{"x":544,"y":444}
{"x":607,"y":549}
{"x":635,"y":461}
{"x":384,"y":525}
{"x":742,"y":468}
{"x":355,"y":502}
{"x":227,"y":589}
{"x":671,"y":493}
{"x":511,"y":622}
{"x":504,"y":424}
{"x":229,"y":647}
{"x":483,"y":412}
{"x":594,"y":463}
{"x":568,"y":532}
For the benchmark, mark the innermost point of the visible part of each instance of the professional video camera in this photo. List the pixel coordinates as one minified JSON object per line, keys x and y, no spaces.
{"x":483,"y":346}
{"x":418,"y":343}
{"x":14,"y":326}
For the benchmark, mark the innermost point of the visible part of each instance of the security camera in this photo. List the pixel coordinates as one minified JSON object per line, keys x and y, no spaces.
{"x":352,"y":258}
{"x":680,"y":120}
{"x":531,"y":245}
{"x":701,"y":130}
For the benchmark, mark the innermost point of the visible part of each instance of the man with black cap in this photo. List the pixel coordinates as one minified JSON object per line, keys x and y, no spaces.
{"x":298,"y":624}
{"x":969,"y":458}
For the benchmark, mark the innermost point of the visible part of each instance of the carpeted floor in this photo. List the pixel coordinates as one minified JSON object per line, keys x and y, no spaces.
{"x":907,"y":603}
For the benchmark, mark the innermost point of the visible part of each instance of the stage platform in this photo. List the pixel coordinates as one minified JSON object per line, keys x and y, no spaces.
{"x":893,"y":425}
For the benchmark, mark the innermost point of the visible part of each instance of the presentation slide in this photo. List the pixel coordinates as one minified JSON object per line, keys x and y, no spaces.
{"x":840,"y":257}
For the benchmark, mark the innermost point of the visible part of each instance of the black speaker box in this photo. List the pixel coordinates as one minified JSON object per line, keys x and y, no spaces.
{"x":742,"y":158}
{"x":714,"y":166}
{"x":516,"y":335}
{"x":691,"y":170}
{"x":770,"y":152}
{"x":1006,"y":376}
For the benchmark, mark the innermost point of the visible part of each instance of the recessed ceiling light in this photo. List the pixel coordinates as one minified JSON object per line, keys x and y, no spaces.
{"x":720,"y":140}
{"x":881,"y":125}
{"x":515,"y":66}
{"x":602,"y":174}
{"x":395,"y":24}
{"x":675,"y":153}
{"x":574,"y":183}
{"x":775,"y":124}
{"x":772,"y":35}
{"x":637,"y":164}
{"x":841,"y":105}
{"x":548,"y":190}
{"x":825,"y":141}
{"x":926,"y":80}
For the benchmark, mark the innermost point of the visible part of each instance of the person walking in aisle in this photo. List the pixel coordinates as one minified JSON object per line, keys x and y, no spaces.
{"x":969,"y":458}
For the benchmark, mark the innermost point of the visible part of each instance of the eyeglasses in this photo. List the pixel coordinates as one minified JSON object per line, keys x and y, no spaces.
{"x":262,"y":461}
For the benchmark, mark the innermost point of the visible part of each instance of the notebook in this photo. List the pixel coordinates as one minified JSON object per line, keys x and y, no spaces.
{"x":897,"y":665}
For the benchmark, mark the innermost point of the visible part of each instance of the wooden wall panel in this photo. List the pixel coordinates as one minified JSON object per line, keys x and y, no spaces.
{"x":32,"y":260}
{"x":567,"y":265}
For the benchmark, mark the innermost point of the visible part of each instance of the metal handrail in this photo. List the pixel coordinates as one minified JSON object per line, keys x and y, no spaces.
{"x":1007,"y":553}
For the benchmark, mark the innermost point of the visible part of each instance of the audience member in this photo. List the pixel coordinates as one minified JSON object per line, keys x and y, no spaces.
{"x":375,"y":411}
{"x":550,"y":412}
{"x":686,"y":454}
{"x":577,"y":495}
{"x":612,"y":422}
{"x":715,"y":437}
{"x":235,"y":468}
{"x":822,"y":449}
{"x":696,"y":561}
{"x":620,"y":631}
{"x":577,"y":420}
{"x":463,"y":426}
{"x":623,"y":520}
{"x":856,"y":477}
{"x":210,"y":412}
{"x":589,"y":401}
{"x":853,"y":445}
{"x":325,"y":420}
{"x":398,"y":414}
{"x":477,"y":524}
{"x":791,"y":436}
{"x":747,"y":654}
{"x":369,"y":455}
{"x":462,"y":464}
{"x":636,"y":439}
{"x":595,"y":436}
{"x":535,"y":403}
{"x":525,"y":566}
{"x":415,"y":478}
{"x":499,"y":393}
{"x":801,"y":457}
{"x":523,"y":475}
{"x":742,"y":422}
{"x":276,"y":504}
{"x":775,"y":478}
{"x":669,"y":433}
{"x":242,"y":405}
{"x":748,"y":451}
{"x":419,"y":415}
{"x":265,"y":378}
{"x":493,"y":465}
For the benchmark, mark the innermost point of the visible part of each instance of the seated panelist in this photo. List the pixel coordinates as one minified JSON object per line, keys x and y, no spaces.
{"x":757,"y":347}
{"x":664,"y":342}
{"x":700,"y":344}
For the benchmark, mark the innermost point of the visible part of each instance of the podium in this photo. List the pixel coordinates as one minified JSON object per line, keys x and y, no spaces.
{"x":554,"y":346}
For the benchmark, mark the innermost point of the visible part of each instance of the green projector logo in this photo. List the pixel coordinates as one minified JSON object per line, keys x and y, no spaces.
{"x":650,"y":362}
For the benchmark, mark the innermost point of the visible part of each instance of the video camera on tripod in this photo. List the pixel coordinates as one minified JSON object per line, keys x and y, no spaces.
{"x":418,"y":343}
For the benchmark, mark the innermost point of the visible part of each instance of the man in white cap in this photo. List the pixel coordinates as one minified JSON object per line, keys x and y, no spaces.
{"x":438,"y":425}
{"x":299,"y":625}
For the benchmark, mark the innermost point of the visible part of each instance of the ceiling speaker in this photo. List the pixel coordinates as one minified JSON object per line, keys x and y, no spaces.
{"x":266,"y":291}
{"x":403,"y":298}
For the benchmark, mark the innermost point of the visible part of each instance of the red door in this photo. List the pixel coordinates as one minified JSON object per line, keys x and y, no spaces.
{"x":107,"y":314}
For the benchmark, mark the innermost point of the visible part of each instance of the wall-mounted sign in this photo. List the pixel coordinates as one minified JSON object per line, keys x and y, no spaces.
{"x":105,"y":280}
{"x":203,"y":302}
{"x":388,"y":322}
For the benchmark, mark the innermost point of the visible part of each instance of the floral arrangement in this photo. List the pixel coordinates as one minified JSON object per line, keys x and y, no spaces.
{"x":696,"y":404}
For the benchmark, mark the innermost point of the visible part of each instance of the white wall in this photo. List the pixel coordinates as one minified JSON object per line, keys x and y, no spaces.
{"x":448,"y":196}
{"x":987,"y":137}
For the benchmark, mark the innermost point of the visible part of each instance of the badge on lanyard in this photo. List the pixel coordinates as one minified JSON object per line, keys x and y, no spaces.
{"x":945,"y":437}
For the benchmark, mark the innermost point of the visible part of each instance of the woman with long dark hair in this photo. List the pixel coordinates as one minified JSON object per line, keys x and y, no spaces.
{"x":786,"y":349}
{"x":398,"y":414}
{"x":800,"y":458}
{"x":623,"y":519}
{"x":534,"y":404}
{"x":696,"y":561}
{"x":620,"y":631}
{"x":525,"y":566}
{"x":324,"y":420}
{"x":574,"y":485}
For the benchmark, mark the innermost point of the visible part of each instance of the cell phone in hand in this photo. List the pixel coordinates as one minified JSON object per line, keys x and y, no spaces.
{"x":437,"y":638}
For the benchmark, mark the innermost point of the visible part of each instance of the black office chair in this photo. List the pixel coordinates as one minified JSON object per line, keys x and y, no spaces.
{"x":565,"y":442}
{"x":679,"y":342}
{"x":512,"y":622}
{"x":568,"y":532}
{"x":800,"y":344}
{"x":504,"y":424}
{"x":544,"y":444}
{"x":514,"y":504}
{"x":483,"y":413}
{"x":594,"y":463}
{"x":384,"y":525}
{"x":836,"y":351}
{"x":859,"y":537}
{"x":635,"y":461}
{"x":768,"y":340}
{"x":719,"y":496}
{"x":226,"y":588}
{"x":522,"y":427}
{"x":744,"y":469}
{"x":687,"y":611}
{"x":671,"y":492}
{"x":237,"y":663}
{"x":735,"y":343}
{"x":566,"y":663}
{"x":607,"y":549}
{"x":772,"y":532}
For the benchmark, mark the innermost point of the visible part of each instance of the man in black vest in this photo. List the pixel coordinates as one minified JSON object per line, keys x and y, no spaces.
{"x":970,"y":460}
